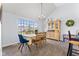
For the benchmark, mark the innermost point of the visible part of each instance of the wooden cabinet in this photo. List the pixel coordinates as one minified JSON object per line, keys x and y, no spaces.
{"x":50,"y":24}
{"x":54,"y":33}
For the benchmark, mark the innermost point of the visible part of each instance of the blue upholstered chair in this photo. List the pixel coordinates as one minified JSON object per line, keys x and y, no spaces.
{"x":22,"y":42}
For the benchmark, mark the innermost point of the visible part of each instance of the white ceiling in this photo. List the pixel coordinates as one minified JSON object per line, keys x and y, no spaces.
{"x":30,"y":10}
{"x":59,"y":4}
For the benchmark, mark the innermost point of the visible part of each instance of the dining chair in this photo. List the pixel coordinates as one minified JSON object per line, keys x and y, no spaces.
{"x":71,"y":50}
{"x":22,"y":42}
{"x":40,"y":40}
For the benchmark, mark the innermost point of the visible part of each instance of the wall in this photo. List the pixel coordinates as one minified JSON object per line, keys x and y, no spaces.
{"x":9,"y":29}
{"x":65,"y":12}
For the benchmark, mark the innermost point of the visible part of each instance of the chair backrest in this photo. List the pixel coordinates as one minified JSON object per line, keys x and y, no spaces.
{"x":20,"y":38}
{"x":41,"y":35}
{"x":69,"y":35}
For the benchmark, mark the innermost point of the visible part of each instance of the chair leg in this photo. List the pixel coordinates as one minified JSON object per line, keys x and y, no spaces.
{"x":69,"y":53}
{"x":19,"y":46}
{"x":71,"y":49}
{"x":45,"y":41}
{"x":36,"y":45}
{"x":29,"y":47}
{"x":22,"y":47}
{"x":39,"y":44}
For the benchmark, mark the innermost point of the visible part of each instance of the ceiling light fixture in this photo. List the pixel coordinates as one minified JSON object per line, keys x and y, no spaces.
{"x":41,"y":14}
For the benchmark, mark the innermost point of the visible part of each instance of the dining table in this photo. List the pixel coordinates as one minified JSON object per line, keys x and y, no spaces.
{"x":74,"y":40}
{"x":66,"y":37}
{"x":36,"y":39}
{"x":73,"y":51}
{"x":29,"y":37}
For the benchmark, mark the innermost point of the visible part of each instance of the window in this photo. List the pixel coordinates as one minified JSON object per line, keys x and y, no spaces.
{"x":27,"y":26}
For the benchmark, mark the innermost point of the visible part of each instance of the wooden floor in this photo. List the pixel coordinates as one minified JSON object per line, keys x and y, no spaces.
{"x":52,"y":48}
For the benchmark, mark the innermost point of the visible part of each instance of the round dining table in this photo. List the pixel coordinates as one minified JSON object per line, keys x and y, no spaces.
{"x":29,"y":37}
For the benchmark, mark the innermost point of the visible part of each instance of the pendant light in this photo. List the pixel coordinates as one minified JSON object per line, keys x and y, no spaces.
{"x":41,"y":14}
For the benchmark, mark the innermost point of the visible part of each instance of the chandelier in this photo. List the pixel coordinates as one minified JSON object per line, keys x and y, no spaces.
{"x":41,"y":14}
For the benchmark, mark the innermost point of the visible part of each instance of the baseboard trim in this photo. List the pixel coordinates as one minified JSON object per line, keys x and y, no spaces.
{"x":9,"y":44}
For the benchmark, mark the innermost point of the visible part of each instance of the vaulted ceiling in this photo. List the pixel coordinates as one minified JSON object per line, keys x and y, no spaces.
{"x":30,"y":10}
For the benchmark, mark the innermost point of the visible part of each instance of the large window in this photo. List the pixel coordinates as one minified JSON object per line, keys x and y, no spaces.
{"x":27,"y":26}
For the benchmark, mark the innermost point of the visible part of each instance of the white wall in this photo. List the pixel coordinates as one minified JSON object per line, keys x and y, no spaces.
{"x":9,"y":29}
{"x":65,"y":12}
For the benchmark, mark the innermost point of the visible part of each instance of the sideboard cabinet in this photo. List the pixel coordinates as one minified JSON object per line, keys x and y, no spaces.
{"x":53,"y":29}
